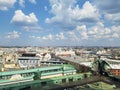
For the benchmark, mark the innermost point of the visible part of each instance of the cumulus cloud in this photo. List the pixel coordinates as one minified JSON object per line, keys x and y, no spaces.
{"x":31,"y":28}
{"x":71,"y":13}
{"x":13,"y":35}
{"x":32,"y":1}
{"x":82,"y":27}
{"x":20,"y":18}
{"x":60,"y":36}
{"x":83,"y":31}
{"x":49,"y":37}
{"x":109,"y":6}
{"x":110,"y":9}
{"x":6,"y":4}
{"x":72,"y":36}
{"x":68,"y":15}
{"x":27,"y":22}
{"x":45,"y":8}
{"x":84,"y":35}
{"x":113,"y":17}
{"x":101,"y":32}
{"x":94,"y":35}
{"x":21,"y":3}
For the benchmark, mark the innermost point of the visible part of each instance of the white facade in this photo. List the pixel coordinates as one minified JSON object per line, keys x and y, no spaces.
{"x":28,"y":61}
{"x":70,"y":52}
{"x":44,"y":56}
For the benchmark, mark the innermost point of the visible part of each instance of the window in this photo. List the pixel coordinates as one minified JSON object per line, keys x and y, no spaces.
{"x":26,"y":88}
{"x":70,"y":79}
{"x":63,"y":80}
{"x":43,"y":83}
{"x":85,"y":75}
{"x":79,"y":79}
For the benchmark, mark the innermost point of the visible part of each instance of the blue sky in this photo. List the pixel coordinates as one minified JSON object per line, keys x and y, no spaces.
{"x":60,"y":22}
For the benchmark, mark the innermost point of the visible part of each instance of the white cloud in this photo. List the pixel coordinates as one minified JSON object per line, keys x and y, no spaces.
{"x":31,"y":28}
{"x":84,"y":35}
{"x":13,"y":35}
{"x":32,"y":1}
{"x":21,"y":3}
{"x":35,"y":37}
{"x":115,"y":28}
{"x":83,"y":31}
{"x":99,"y":31}
{"x":115,"y":35}
{"x":21,"y":18}
{"x":60,"y":36}
{"x":49,"y":37}
{"x":93,"y":33}
{"x":87,"y":22}
{"x":26,"y":22}
{"x":88,"y":12}
{"x":45,"y":8}
{"x":109,"y":6}
{"x":110,"y":9}
{"x":82,"y":27}
{"x":71,"y":13}
{"x":97,"y":34}
{"x":113,"y":17}
{"x":107,"y":31}
{"x":72,"y":36}
{"x":6,"y":4}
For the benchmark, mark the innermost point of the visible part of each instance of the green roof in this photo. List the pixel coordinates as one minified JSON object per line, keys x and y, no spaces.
{"x":66,"y":67}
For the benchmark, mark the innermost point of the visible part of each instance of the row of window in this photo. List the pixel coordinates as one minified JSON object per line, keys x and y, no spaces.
{"x":115,"y":71}
{"x":65,"y":80}
{"x":28,"y":61}
{"x":53,"y":70}
{"x":115,"y":63}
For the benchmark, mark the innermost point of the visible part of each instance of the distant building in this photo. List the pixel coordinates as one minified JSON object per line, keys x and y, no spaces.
{"x":9,"y":57}
{"x":29,"y":60}
{"x":65,"y":53}
{"x":101,"y":52}
{"x":1,"y":53}
{"x":44,"y":56}
{"x":115,"y":66}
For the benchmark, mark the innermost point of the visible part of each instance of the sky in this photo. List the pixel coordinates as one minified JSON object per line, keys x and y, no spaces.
{"x":59,"y":22}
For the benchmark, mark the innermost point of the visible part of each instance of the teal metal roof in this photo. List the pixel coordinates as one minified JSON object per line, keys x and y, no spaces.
{"x":66,"y":67}
{"x":36,"y":82}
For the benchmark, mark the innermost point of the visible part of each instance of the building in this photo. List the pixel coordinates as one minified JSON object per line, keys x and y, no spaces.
{"x":115,"y":66}
{"x":29,"y":60}
{"x":44,"y":56}
{"x":65,"y":53}
{"x":9,"y":57}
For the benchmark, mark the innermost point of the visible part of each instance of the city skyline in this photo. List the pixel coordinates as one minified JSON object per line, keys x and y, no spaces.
{"x":59,"y":22}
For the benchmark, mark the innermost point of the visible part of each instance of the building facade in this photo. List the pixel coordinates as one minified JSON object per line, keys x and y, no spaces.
{"x":29,"y":60}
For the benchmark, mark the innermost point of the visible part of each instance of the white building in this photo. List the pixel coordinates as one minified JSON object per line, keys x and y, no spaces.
{"x":44,"y":56}
{"x":65,"y":53}
{"x":29,"y":60}
{"x":115,"y":64}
